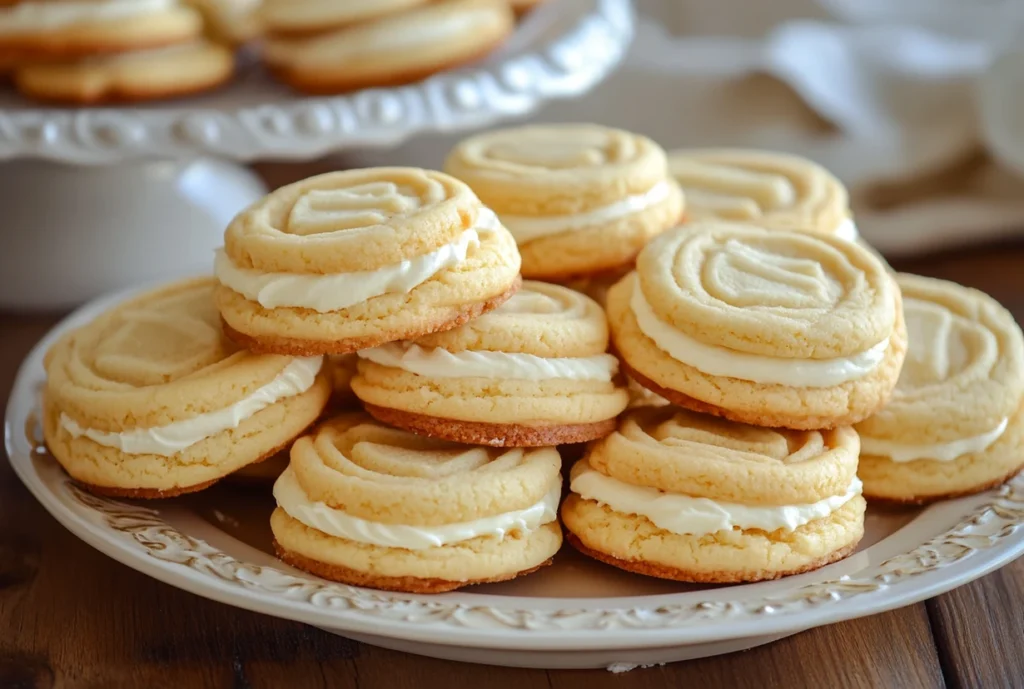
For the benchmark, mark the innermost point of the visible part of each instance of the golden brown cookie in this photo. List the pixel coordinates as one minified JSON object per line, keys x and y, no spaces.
{"x":372,"y":506}
{"x":760,"y":326}
{"x":534,"y":372}
{"x":684,"y":496}
{"x":356,"y":259}
{"x":772,"y":190}
{"x":67,"y":30}
{"x":150,"y":400}
{"x":580,"y":199}
{"x":143,"y":75}
{"x":398,"y":48}
{"x":955,"y":424}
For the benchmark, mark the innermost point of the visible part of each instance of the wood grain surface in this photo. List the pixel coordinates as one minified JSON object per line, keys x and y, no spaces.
{"x":71,"y":617}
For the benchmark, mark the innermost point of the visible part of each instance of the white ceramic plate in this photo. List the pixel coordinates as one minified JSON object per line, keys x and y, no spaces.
{"x":576,"y":613}
{"x":560,"y":50}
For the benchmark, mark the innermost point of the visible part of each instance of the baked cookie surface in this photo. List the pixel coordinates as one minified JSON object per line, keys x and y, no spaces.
{"x":355,"y":259}
{"x":766,"y":327}
{"x":690,"y":497}
{"x":150,"y":400}
{"x":580,"y":199}
{"x":373,"y":506}
{"x":533,"y":372}
{"x":954,"y":423}
{"x":399,"y":47}
{"x":772,"y":190}
{"x":142,"y":75}
{"x":34,"y":30}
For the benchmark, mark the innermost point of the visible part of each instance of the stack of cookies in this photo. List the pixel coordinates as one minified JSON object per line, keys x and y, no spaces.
{"x":99,"y":51}
{"x":326,"y":46}
{"x":788,"y":373}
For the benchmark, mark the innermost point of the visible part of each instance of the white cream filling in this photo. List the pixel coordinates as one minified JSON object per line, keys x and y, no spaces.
{"x":34,"y":16}
{"x":166,"y":441}
{"x":323,"y":293}
{"x":526,"y":228}
{"x":685,"y":515}
{"x":939,"y":452}
{"x":719,"y":361}
{"x":847,"y":230}
{"x":440,"y":363}
{"x":334,"y":522}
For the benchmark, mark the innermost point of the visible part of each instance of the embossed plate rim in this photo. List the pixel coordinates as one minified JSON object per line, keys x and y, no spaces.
{"x":987,"y":534}
{"x":253,"y":118}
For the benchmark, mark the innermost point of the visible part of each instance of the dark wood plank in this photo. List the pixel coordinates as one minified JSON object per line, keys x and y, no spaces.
{"x":890,"y":650}
{"x":979,"y":629}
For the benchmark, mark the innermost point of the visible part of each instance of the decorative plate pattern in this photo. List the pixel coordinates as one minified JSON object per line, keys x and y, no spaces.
{"x":560,"y":51}
{"x":926,"y":554}
{"x":1002,"y":516}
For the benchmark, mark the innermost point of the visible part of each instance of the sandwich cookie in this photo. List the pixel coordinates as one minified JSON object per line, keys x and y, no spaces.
{"x":354,"y":259}
{"x":150,"y":400}
{"x":141,"y":75}
{"x":954,"y":425}
{"x":766,"y":327}
{"x":534,"y":372}
{"x":771,"y":190}
{"x":579,"y":199}
{"x":76,"y":28}
{"x":310,"y":17}
{"x":399,"y":48}
{"x":685,"y":496}
{"x":373,"y":506}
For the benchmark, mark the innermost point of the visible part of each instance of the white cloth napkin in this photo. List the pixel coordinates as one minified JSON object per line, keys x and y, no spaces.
{"x":917,"y":105}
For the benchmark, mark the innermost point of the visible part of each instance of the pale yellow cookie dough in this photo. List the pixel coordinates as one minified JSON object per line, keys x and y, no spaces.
{"x":397,"y":48}
{"x":534,"y":371}
{"x":354,"y":469}
{"x":349,"y":260}
{"x":580,"y":199}
{"x":954,"y":423}
{"x":670,"y":454}
{"x":761,"y":308}
{"x":126,"y":77}
{"x":118,"y":386}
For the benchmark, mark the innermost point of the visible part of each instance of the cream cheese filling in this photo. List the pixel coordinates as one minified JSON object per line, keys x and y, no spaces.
{"x":166,"y":441}
{"x":440,"y":363}
{"x":324,"y":293}
{"x":685,"y":515}
{"x":720,"y":361}
{"x":526,"y":228}
{"x":335,"y":522}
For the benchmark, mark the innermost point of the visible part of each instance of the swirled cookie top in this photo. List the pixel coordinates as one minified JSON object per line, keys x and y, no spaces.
{"x":351,"y":221}
{"x":541,"y":319}
{"x":964,"y":370}
{"x":770,"y":189}
{"x":385,"y":475}
{"x":693,"y":454}
{"x":557,"y":168}
{"x":773,"y":293}
{"x":153,"y":360}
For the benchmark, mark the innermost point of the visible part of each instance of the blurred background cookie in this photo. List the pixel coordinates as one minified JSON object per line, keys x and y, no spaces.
{"x":365,"y":44}
{"x":141,"y":75}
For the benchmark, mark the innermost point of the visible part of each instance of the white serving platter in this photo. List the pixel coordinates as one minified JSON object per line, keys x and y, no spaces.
{"x":576,"y":613}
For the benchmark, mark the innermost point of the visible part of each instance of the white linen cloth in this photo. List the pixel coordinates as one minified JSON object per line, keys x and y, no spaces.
{"x":917,"y":105}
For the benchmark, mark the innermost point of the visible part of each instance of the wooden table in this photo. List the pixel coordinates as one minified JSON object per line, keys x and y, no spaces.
{"x":71,"y":617}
